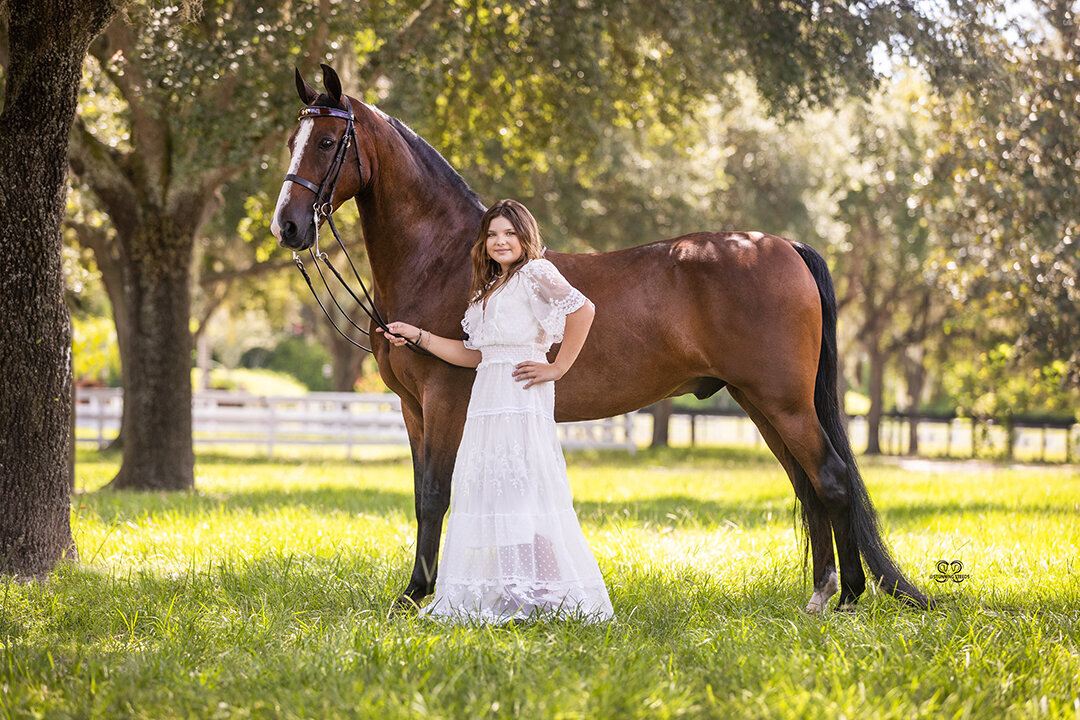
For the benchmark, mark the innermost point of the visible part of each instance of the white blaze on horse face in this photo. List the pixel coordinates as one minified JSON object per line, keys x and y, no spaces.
{"x":285,"y":196}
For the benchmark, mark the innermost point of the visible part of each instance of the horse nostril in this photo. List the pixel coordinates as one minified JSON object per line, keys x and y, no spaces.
{"x":288,"y":230}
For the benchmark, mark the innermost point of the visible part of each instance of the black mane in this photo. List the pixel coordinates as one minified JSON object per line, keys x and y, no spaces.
{"x":429,"y":155}
{"x":433,"y":159}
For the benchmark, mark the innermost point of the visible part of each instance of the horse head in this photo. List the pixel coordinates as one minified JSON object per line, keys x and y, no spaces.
{"x":328,"y":164}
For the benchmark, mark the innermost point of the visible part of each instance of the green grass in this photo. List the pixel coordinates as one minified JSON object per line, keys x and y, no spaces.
{"x":266,"y":594}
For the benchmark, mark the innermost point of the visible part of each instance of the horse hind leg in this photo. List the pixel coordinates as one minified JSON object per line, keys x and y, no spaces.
{"x":815,"y":518}
{"x":829,"y":478}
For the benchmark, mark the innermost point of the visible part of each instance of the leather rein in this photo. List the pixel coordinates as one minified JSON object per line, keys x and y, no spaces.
{"x":323,"y":208}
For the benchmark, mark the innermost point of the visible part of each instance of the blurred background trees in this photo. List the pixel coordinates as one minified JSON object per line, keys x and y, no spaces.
{"x":930,"y":155}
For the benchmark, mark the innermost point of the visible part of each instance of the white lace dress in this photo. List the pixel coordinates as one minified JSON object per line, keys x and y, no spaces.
{"x":514,"y":548}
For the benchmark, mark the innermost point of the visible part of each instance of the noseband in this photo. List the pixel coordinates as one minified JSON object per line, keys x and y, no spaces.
{"x":324,"y":208}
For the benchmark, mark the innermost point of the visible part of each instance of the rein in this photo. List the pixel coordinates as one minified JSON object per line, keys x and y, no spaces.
{"x":324,"y":208}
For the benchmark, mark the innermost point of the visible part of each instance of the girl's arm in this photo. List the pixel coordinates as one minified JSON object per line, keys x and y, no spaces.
{"x":452,"y":351}
{"x":577,"y":329}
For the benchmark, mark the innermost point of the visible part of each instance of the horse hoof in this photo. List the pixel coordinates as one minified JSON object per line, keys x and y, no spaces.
{"x":821,"y":595}
{"x":404,"y":605}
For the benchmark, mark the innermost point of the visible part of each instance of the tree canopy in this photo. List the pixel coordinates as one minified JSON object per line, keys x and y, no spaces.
{"x":621,"y":123}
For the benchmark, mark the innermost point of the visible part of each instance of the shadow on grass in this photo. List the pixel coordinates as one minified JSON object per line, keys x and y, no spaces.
{"x":119,"y":506}
{"x":654,"y":510}
{"x":660,"y":510}
{"x":210,"y":457}
{"x":676,"y":457}
{"x":657,"y":509}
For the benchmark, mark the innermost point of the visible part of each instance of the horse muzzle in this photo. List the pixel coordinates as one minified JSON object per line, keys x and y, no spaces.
{"x":293,"y":235}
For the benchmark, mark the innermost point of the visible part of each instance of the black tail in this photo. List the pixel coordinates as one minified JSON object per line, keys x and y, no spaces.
{"x":864,"y":520}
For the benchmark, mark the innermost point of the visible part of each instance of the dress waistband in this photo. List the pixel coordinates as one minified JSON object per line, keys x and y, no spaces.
{"x":493,"y":354}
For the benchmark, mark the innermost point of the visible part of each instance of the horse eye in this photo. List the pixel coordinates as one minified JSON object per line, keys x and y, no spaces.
{"x":326,"y":144}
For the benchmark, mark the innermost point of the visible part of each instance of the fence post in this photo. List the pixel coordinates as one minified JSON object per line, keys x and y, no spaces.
{"x":346,"y":406}
{"x":272,"y":430}
{"x":96,"y":403}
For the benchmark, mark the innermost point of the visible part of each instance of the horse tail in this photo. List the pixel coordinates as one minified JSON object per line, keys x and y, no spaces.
{"x":864,"y":519}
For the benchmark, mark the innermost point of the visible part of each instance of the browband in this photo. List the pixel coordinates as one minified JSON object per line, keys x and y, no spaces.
{"x":312,"y":111}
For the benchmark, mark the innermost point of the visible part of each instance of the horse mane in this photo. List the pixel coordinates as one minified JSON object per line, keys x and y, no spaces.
{"x":433,"y":159}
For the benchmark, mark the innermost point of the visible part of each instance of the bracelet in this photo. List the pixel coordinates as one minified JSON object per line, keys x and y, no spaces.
{"x":420,"y":338}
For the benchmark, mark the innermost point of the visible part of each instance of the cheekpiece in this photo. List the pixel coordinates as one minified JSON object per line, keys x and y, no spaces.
{"x":313,"y":111}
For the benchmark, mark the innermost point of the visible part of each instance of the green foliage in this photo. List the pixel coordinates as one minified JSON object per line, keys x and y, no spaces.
{"x":994,"y":386}
{"x":302,"y":358}
{"x":1009,"y":151}
{"x":622,"y":123}
{"x":94,"y":351}
{"x":266,"y":594}
{"x":252,"y":381}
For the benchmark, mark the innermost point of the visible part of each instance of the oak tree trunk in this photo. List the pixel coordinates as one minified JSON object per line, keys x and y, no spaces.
{"x":915,"y":376}
{"x":157,"y":358}
{"x":661,"y":413}
{"x":47,"y":41}
{"x":348,"y":363}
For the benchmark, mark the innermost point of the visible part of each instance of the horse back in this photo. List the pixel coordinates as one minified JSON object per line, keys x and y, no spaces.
{"x":700,"y":310}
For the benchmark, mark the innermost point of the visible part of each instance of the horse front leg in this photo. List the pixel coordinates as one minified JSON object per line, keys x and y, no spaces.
{"x":431,"y":486}
{"x":434,"y":434}
{"x":428,"y":515}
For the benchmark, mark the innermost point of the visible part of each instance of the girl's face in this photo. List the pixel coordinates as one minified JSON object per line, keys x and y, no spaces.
{"x":503,"y":245}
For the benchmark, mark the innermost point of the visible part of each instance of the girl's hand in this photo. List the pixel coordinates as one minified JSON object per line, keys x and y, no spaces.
{"x":405,"y":330}
{"x":537,"y":372}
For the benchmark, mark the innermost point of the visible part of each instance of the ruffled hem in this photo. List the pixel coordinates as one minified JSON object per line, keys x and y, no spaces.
{"x":502,"y":600}
{"x":512,"y":412}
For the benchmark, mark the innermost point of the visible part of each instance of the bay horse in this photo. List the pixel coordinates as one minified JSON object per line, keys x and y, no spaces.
{"x":748,"y":311}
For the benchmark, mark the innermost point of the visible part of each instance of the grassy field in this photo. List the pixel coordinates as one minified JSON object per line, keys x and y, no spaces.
{"x":266,"y":594}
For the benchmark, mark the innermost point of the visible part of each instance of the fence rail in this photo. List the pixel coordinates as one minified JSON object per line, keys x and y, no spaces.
{"x":945,"y":436}
{"x":325,"y":419}
{"x":350,"y":420}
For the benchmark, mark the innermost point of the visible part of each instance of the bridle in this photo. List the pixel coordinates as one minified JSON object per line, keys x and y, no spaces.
{"x":324,"y":207}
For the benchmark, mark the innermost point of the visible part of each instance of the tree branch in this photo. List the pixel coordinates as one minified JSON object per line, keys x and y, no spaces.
{"x":103,"y":169}
{"x":109,"y":256}
{"x":260,"y":268}
{"x":219,"y":295}
{"x":115,"y":50}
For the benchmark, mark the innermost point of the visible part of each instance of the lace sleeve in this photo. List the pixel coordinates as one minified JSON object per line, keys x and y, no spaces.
{"x":469,"y":327}
{"x":551,"y":297}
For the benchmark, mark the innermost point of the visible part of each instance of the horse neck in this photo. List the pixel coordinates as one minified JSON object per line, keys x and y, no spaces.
{"x":418,"y":228}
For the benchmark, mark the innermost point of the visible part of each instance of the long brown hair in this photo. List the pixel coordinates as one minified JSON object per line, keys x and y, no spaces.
{"x":485,"y":269}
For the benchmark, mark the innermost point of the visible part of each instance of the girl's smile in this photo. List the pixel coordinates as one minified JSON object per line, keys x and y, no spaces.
{"x":503,"y":245}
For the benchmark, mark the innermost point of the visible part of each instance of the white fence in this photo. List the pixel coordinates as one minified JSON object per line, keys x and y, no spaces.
{"x":336,"y":419}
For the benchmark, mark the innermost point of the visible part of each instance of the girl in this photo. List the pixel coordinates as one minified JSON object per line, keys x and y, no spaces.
{"x":513,"y":548}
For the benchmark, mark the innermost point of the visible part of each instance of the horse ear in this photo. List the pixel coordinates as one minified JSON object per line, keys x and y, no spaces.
{"x":307,"y":93}
{"x":332,"y":82}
